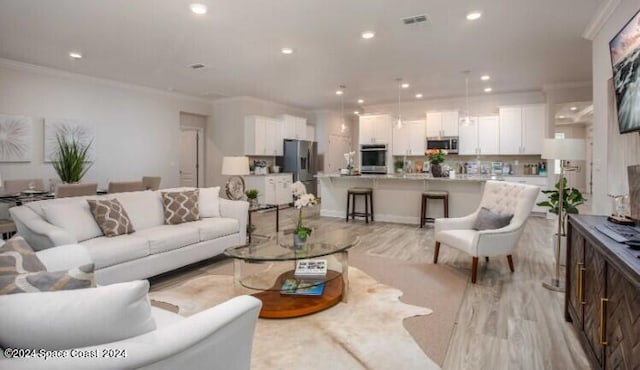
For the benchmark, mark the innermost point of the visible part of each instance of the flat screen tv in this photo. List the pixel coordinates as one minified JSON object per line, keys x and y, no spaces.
{"x":625,"y":59}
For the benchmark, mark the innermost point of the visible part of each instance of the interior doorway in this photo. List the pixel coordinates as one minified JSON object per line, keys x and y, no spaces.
{"x":192,"y":149}
{"x":574,"y":121}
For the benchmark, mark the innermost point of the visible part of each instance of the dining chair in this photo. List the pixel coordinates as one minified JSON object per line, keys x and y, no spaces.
{"x":151,"y":182}
{"x":75,"y":190}
{"x":16,"y":186}
{"x":474,"y":235}
{"x":125,"y":186}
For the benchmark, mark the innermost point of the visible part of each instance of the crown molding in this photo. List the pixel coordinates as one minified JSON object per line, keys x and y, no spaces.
{"x":566,"y":85}
{"x":48,"y":71}
{"x":600,"y":17}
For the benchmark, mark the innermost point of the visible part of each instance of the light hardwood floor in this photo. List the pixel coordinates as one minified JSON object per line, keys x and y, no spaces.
{"x":506,"y":321}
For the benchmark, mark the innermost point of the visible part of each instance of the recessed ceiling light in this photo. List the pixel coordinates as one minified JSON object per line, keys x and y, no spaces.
{"x":198,"y":8}
{"x":368,"y":34}
{"x":339,"y":92}
{"x":488,"y":89}
{"x":405,"y":85}
{"x":286,"y":51}
{"x":561,"y":117}
{"x":485,"y":77}
{"x":418,"y":96}
{"x":360,"y":101}
{"x":574,"y":108}
{"x":356,"y":112}
{"x":75,"y":55}
{"x":473,"y":15}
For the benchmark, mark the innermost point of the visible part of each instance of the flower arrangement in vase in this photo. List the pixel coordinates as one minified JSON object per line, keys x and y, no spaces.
{"x":436,"y":157}
{"x":302,"y":199}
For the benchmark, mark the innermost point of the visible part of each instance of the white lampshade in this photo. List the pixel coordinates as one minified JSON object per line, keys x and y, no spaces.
{"x":235,"y":166}
{"x":566,"y":149}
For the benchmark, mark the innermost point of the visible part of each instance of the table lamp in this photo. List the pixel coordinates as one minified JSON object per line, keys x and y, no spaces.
{"x":564,"y":150}
{"x":235,"y":167}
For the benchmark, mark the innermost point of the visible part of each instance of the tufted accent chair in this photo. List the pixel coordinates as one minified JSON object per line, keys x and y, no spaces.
{"x":504,"y":198}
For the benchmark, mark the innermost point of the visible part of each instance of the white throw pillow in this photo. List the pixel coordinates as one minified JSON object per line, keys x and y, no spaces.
{"x":209,"y":202}
{"x":74,"y":217}
{"x":144,"y":208}
{"x":75,"y":318}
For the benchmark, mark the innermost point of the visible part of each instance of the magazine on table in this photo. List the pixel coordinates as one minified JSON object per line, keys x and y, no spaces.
{"x":301,"y":287}
{"x":311,"y":269}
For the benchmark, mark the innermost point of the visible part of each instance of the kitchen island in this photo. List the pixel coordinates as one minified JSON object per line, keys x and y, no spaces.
{"x":396,"y":198}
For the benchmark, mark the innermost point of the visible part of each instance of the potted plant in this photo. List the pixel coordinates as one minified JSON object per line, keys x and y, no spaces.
{"x":303,"y":199}
{"x":252,"y":196}
{"x":70,"y":160}
{"x":436,"y":158}
{"x":399,"y":164}
{"x":571,"y":199}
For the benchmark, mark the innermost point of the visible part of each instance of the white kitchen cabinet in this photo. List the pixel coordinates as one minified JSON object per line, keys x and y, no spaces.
{"x":468,"y":137}
{"x":534,"y":123}
{"x":522,"y":129}
{"x":410,"y":139}
{"x":272,"y":189}
{"x":443,"y":123}
{"x":310,"y":133}
{"x":375,"y":129}
{"x":293,"y":127}
{"x":262,"y":136}
{"x":480,"y":136}
{"x":540,"y":181}
{"x":488,"y":135}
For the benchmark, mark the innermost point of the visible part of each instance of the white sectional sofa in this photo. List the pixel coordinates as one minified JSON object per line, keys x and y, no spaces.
{"x":152,"y":249}
{"x":219,"y":338}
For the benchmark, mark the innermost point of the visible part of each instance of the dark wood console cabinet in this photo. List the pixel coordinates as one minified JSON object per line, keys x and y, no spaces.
{"x":603,"y":295}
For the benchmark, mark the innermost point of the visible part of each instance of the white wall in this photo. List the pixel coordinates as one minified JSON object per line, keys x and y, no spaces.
{"x":612,"y":152}
{"x":136,"y":128}
{"x":328,"y":127}
{"x":225,"y":131}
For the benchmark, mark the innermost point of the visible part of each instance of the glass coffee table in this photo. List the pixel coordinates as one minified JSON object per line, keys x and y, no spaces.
{"x":263,"y":268}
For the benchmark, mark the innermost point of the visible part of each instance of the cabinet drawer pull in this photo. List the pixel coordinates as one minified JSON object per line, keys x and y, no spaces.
{"x":580,"y":285}
{"x":603,"y":340}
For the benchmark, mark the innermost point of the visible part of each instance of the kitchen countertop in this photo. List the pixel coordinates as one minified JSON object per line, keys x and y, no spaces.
{"x":271,"y":174}
{"x":424,"y":176}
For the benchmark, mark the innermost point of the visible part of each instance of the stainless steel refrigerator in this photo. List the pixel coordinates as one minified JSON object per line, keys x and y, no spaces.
{"x":300,"y":157}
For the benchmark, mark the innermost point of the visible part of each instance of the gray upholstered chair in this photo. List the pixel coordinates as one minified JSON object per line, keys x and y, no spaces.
{"x":151,"y":182}
{"x":16,"y":186}
{"x":502,"y":198}
{"x":75,"y":190}
{"x":125,"y":186}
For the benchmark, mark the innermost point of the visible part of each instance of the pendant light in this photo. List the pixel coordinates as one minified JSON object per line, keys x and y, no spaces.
{"x":343,"y":126}
{"x":466,"y":120}
{"x":399,"y":122}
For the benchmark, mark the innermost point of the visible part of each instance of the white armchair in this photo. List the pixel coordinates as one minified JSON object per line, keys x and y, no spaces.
{"x":502,"y":198}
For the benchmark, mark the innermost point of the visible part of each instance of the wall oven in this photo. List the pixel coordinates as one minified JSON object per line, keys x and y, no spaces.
{"x":450,"y":144}
{"x":373,"y":158}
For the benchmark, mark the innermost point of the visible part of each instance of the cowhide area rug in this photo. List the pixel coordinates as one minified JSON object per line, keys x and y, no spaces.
{"x":365,"y":333}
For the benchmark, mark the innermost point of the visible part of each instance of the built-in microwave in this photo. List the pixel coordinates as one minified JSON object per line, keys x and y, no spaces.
{"x":373,"y":158}
{"x":450,"y":143}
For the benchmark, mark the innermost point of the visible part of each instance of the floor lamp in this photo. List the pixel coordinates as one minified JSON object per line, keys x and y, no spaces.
{"x":564,"y":150}
{"x":236,"y":167}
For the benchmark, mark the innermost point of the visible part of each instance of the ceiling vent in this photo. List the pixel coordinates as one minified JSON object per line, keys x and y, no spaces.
{"x":197,"y":66}
{"x":417,"y":19}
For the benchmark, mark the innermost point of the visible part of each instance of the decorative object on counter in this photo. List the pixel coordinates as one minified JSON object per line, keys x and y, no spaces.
{"x":302,"y":199}
{"x":399,"y":165}
{"x":236,"y":167}
{"x":349,"y":170}
{"x":436,"y":158}
{"x":260,"y":167}
{"x":70,"y":159}
{"x":252,"y":196}
{"x":562,"y":199}
{"x":274,"y":169}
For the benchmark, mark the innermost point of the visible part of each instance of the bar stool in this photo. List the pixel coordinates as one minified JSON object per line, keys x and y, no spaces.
{"x":351,"y":200}
{"x":434,"y":194}
{"x":7,"y":228}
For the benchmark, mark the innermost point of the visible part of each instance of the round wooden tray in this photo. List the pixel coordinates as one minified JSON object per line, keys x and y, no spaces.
{"x":280,"y":306}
